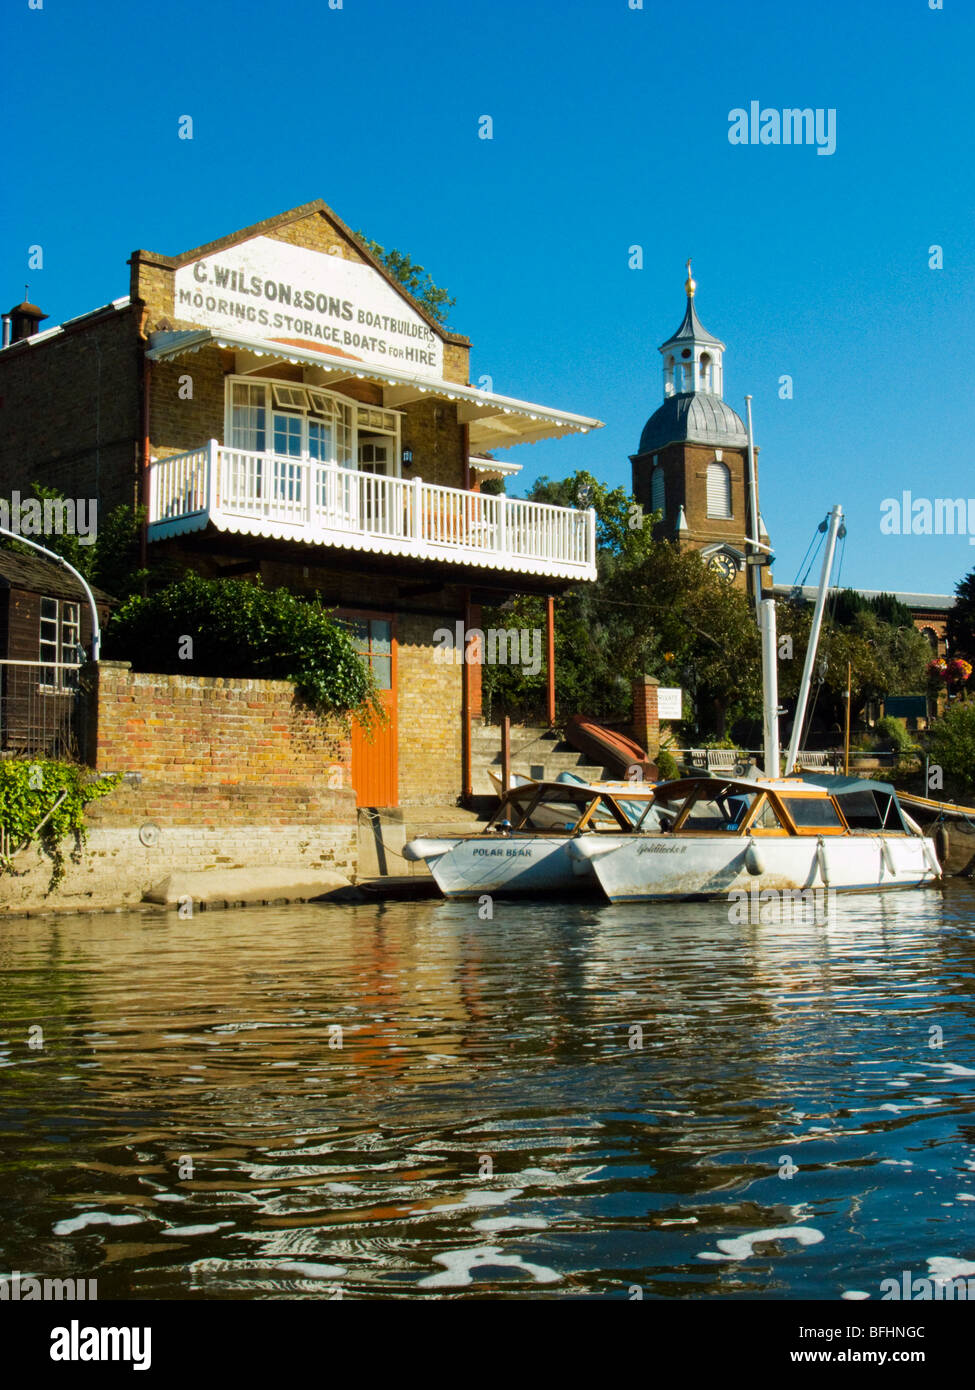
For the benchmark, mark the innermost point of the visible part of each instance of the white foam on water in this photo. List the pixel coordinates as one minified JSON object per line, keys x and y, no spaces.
{"x":945,"y":1267}
{"x":898,"y":1162}
{"x":510,"y":1223}
{"x":965,"y":1196}
{"x":952,"y":1068}
{"x":854,"y":1294}
{"x":302,"y":1268}
{"x":742,"y":1247}
{"x":459,"y":1264}
{"x":677,"y":1221}
{"x":195,"y":1230}
{"x":95,"y":1218}
{"x":482,"y":1199}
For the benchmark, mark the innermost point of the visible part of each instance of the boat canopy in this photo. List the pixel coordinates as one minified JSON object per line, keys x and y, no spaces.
{"x":561,"y":806}
{"x":866,"y":805}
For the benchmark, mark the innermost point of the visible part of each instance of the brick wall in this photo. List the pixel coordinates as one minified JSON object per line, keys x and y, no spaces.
{"x":208,"y":731}
{"x":646,"y":721}
{"x":685,"y":474}
{"x":429,"y":715}
{"x":70,"y":411}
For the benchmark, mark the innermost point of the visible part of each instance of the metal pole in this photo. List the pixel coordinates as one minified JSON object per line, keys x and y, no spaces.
{"x":846,"y":740}
{"x":550,"y":683}
{"x":753,"y":504}
{"x":770,"y":686}
{"x":835,"y":520}
{"x":96,"y":631}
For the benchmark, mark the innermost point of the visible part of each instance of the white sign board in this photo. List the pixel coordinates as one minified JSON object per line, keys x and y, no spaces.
{"x":669,"y":702}
{"x":267,"y":289}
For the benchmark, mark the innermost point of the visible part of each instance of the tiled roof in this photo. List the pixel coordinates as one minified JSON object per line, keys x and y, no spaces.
{"x":40,"y":576}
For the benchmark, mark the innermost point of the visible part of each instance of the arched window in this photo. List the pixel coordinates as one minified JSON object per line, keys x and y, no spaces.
{"x":658,"y":490}
{"x":932,"y":637}
{"x":706,"y":382}
{"x":719,"y":490}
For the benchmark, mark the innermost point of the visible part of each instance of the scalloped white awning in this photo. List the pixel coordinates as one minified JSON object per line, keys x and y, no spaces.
{"x":495,"y":422}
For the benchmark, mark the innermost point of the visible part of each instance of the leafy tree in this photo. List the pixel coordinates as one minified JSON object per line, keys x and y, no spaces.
{"x":111,"y":560}
{"x":239,"y":628}
{"x":952,"y":745}
{"x":848,"y":604}
{"x":885,"y":660}
{"x":413,"y":277}
{"x":961,"y":618}
{"x":653,"y":610}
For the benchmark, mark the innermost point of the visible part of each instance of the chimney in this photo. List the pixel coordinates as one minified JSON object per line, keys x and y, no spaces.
{"x":25,"y":320}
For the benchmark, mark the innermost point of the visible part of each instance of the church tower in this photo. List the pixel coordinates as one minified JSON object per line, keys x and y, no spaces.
{"x":692,"y":463}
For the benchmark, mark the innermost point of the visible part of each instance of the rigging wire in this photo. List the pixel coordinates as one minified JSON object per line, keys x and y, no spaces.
{"x":819,"y":536}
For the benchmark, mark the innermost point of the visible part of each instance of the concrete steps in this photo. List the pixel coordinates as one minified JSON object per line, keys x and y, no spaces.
{"x":536,"y":752}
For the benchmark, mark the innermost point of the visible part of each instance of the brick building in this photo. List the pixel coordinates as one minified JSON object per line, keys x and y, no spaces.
{"x":284,"y":408}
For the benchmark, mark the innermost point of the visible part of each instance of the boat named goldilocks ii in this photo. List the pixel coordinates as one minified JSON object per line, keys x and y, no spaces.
{"x":717,"y":837}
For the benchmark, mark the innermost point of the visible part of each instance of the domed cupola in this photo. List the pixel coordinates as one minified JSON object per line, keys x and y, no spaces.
{"x":693,"y":410}
{"x":691,"y":468}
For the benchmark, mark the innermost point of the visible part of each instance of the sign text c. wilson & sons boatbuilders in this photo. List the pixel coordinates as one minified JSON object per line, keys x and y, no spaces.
{"x":268,"y":289}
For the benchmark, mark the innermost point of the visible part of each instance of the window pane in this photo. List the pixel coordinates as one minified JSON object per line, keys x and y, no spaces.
{"x":382,"y":669}
{"x":287,"y":435}
{"x":247,"y":417}
{"x":811,"y":810}
{"x":382,"y":636}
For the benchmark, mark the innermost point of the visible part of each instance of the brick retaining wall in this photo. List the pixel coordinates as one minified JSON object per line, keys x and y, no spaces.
{"x":221,"y":774}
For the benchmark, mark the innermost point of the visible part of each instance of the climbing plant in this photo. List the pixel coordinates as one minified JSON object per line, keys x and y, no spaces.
{"x":43,"y":801}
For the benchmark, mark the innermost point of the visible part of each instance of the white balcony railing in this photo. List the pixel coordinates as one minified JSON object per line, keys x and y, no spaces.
{"x":318,"y":503}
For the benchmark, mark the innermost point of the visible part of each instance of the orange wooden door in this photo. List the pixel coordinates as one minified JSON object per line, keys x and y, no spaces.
{"x":374,"y":751}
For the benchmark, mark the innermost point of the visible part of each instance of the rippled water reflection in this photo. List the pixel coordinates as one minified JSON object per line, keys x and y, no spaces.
{"x":567,"y":1100}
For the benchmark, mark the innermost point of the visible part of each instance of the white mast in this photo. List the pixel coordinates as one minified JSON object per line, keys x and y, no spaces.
{"x":770,"y":686}
{"x":753,"y":507}
{"x":835,"y":521}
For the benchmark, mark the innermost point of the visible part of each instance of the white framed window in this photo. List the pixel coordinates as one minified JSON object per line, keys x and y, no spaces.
{"x":307,"y":422}
{"x":290,"y":397}
{"x":59,"y":642}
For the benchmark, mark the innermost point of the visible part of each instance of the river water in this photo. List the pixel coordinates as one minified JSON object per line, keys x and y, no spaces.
{"x":569,"y":1099}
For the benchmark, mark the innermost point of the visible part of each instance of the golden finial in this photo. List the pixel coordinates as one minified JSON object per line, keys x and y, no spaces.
{"x":691,"y":284}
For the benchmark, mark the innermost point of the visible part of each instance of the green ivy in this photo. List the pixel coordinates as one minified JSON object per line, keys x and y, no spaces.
{"x":237,"y":627}
{"x":29,"y":790}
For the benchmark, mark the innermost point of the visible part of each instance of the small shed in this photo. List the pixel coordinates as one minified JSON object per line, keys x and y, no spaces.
{"x":45,"y":633}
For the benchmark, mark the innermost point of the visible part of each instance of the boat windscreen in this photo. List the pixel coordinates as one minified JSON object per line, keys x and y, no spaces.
{"x":812,"y":812}
{"x":870,"y":810}
{"x":724,"y":809}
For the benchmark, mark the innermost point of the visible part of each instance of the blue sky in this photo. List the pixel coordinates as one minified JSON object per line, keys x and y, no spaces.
{"x":610,"y":130}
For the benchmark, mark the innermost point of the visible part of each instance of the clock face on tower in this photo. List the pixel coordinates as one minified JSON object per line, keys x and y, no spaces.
{"x":724,"y":564}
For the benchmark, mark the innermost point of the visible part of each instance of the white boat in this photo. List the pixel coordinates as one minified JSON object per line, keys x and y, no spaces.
{"x":772,"y":834}
{"x":524,"y":848}
{"x":750,"y":835}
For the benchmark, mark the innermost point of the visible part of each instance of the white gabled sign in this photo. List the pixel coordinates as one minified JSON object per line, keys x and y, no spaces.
{"x":269,"y":289}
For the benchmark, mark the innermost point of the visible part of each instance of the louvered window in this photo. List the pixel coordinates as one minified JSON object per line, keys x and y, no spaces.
{"x":719,"y":490}
{"x":658,"y":491}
